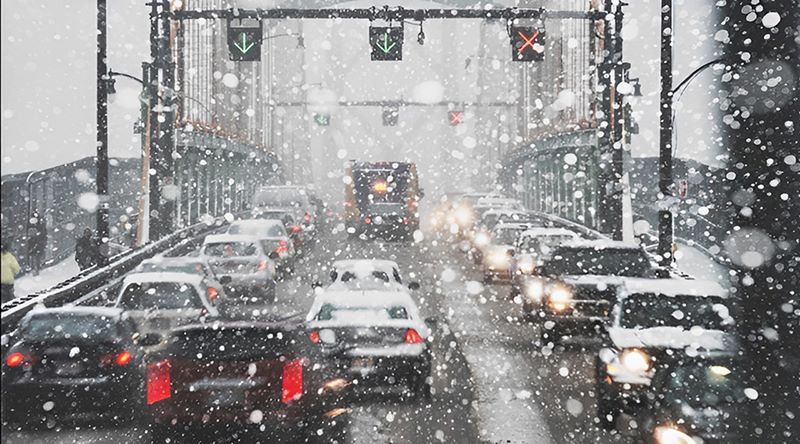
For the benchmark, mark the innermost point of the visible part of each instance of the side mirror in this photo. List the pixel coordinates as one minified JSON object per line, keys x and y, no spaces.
{"x":274,"y":256}
{"x":150,"y":339}
{"x":225,"y":280}
{"x":413,"y":286}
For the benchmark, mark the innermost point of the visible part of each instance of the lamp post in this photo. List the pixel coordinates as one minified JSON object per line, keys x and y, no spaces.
{"x":101,"y":162}
{"x":665,"y":228}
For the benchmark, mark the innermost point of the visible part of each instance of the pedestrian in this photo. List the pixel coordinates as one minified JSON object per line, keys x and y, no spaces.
{"x":9,"y":269}
{"x":37,"y":242}
{"x":86,"y":250}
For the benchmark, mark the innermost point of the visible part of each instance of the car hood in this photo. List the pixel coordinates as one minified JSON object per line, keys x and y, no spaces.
{"x":670,"y":337}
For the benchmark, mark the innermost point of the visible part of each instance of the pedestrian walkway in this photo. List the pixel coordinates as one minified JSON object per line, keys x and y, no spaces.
{"x":47,"y":277}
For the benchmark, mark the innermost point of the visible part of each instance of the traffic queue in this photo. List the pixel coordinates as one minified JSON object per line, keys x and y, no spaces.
{"x":648,"y":328}
{"x":189,"y":346}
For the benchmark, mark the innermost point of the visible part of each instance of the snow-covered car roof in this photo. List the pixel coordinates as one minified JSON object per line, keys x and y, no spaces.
{"x":600,"y":244}
{"x":257,"y":223}
{"x":80,"y":310}
{"x":519,"y":226}
{"x":548,"y":231}
{"x":193,"y":279}
{"x":220,"y":238}
{"x":365,"y":265}
{"x":365,"y":299}
{"x":672,"y":287}
{"x":504,"y":212}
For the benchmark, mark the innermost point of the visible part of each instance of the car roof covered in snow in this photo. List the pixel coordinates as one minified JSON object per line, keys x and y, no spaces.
{"x":193,"y":279}
{"x":519,"y":226}
{"x":365,"y":264}
{"x":220,"y":238}
{"x":77,"y":310}
{"x":672,"y":287}
{"x":256,"y":223}
{"x":548,"y":231}
{"x":599,"y":244}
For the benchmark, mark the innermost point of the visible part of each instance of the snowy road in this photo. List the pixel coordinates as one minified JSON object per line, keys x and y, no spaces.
{"x":492,"y":382}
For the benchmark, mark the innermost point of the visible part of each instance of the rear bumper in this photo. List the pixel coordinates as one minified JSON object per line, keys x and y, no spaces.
{"x":70,"y":397}
{"x":387,"y":370}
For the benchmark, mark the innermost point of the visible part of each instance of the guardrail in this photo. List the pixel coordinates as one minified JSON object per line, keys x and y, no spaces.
{"x":94,"y":278}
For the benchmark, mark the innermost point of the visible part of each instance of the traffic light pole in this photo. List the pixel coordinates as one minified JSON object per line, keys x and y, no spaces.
{"x":102,"y":134}
{"x":665,"y":139}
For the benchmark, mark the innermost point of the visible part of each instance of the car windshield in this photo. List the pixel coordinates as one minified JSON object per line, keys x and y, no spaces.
{"x":706,"y":384}
{"x":280,"y":197}
{"x":507,"y":236}
{"x":231,"y":249}
{"x":652,"y":310}
{"x":70,"y":326}
{"x":159,"y":296}
{"x":261,"y":230}
{"x":330,"y":312}
{"x":601,"y":261}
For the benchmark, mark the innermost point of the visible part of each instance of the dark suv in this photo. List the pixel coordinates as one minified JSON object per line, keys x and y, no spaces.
{"x":264,"y":377}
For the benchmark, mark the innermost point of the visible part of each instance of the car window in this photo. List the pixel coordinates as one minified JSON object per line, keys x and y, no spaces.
{"x":331,"y":312}
{"x":274,"y":230}
{"x":603,"y":262}
{"x":68,"y":326}
{"x":397,"y":276}
{"x":231,"y":249}
{"x":159,"y":295}
{"x":706,"y":385}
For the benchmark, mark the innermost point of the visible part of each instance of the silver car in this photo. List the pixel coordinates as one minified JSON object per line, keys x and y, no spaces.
{"x":246,"y":262}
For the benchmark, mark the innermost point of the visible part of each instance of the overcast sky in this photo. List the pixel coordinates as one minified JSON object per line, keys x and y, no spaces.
{"x":48,"y":78}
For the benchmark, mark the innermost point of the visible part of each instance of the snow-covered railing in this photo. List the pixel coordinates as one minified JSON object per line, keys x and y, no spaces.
{"x":574,"y":226}
{"x":94,"y":278}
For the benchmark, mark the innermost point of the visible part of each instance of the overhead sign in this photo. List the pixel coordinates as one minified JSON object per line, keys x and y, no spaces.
{"x":527,"y":44}
{"x":386,"y":43}
{"x":244,"y":43}
{"x":391,"y":114}
{"x":455,"y":117}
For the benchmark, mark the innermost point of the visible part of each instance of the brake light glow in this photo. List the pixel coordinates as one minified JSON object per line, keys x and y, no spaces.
{"x":159,"y":381}
{"x":405,"y":220}
{"x":367,"y":220}
{"x":282,"y":248}
{"x":295,"y":229}
{"x":292,"y":387}
{"x":412,"y":337}
{"x":313,"y":335}
{"x":123,"y":358}
{"x":262,"y":265}
{"x":15,"y":359}
{"x":413,"y":204}
{"x":307,"y":217}
{"x":213,"y":293}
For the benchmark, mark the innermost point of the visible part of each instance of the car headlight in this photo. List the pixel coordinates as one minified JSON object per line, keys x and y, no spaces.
{"x":481,"y":240}
{"x":559,"y":298}
{"x":666,"y":434}
{"x":635,"y":361}
{"x":463,"y":216}
{"x":534,"y":290}
{"x":498,"y":258}
{"x":526,"y":266}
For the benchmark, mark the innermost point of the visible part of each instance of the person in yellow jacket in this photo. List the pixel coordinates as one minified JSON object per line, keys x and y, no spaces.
{"x":9,"y":269}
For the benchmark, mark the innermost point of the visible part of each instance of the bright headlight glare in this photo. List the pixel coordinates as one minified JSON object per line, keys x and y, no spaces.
{"x":560,"y":297}
{"x":534,"y":290}
{"x":498,"y":258}
{"x":669,"y":435}
{"x":481,"y":239}
{"x":463,"y":216}
{"x":636,"y":361}
{"x":525,"y":266}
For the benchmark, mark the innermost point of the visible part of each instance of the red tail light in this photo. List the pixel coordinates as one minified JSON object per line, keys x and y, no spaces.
{"x":412,"y":337}
{"x":348,"y":204}
{"x":123,"y":358}
{"x":295,"y":229}
{"x":313,"y":335}
{"x":405,"y":220}
{"x":213,"y":293}
{"x":292,"y":381}
{"x":15,"y":359}
{"x":367,"y":220}
{"x":262,"y":265}
{"x":282,"y":248}
{"x":413,"y":204}
{"x":159,"y":381}
{"x":307,"y":217}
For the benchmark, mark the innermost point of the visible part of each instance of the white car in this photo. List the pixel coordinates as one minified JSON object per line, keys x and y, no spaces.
{"x":367,"y":274}
{"x":288,"y":197}
{"x":533,"y":246}
{"x":245,"y":261}
{"x":652,"y":320}
{"x":159,"y":302}
{"x":497,"y":257}
{"x":377,"y":337}
{"x":272,"y":233}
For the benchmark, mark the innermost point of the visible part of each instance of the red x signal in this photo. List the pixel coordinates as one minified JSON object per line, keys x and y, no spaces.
{"x":527,"y":41}
{"x":455,"y":117}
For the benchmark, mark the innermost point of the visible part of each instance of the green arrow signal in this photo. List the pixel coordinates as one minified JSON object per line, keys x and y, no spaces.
{"x":386,"y":47}
{"x":244,"y":46}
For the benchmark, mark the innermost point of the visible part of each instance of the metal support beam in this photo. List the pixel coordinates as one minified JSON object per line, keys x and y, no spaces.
{"x":618,"y":141}
{"x":102,"y":133}
{"x":665,"y":138}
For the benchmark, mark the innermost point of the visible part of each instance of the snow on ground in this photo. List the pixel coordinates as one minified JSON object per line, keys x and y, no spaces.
{"x":693,"y":261}
{"x":505,"y":409}
{"x":47,"y":277}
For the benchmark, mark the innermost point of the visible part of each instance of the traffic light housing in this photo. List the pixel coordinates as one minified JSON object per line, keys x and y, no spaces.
{"x":391,"y":114}
{"x":455,"y":117}
{"x":386,"y":43}
{"x":527,"y":44}
{"x":244,"y":42}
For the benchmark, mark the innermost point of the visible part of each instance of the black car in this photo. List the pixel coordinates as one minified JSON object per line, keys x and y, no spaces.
{"x":702,"y":399}
{"x":264,"y":378}
{"x":578,"y":286}
{"x":72,"y":362}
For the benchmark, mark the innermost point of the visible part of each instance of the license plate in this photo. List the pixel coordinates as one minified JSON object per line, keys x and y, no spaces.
{"x":363,"y":363}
